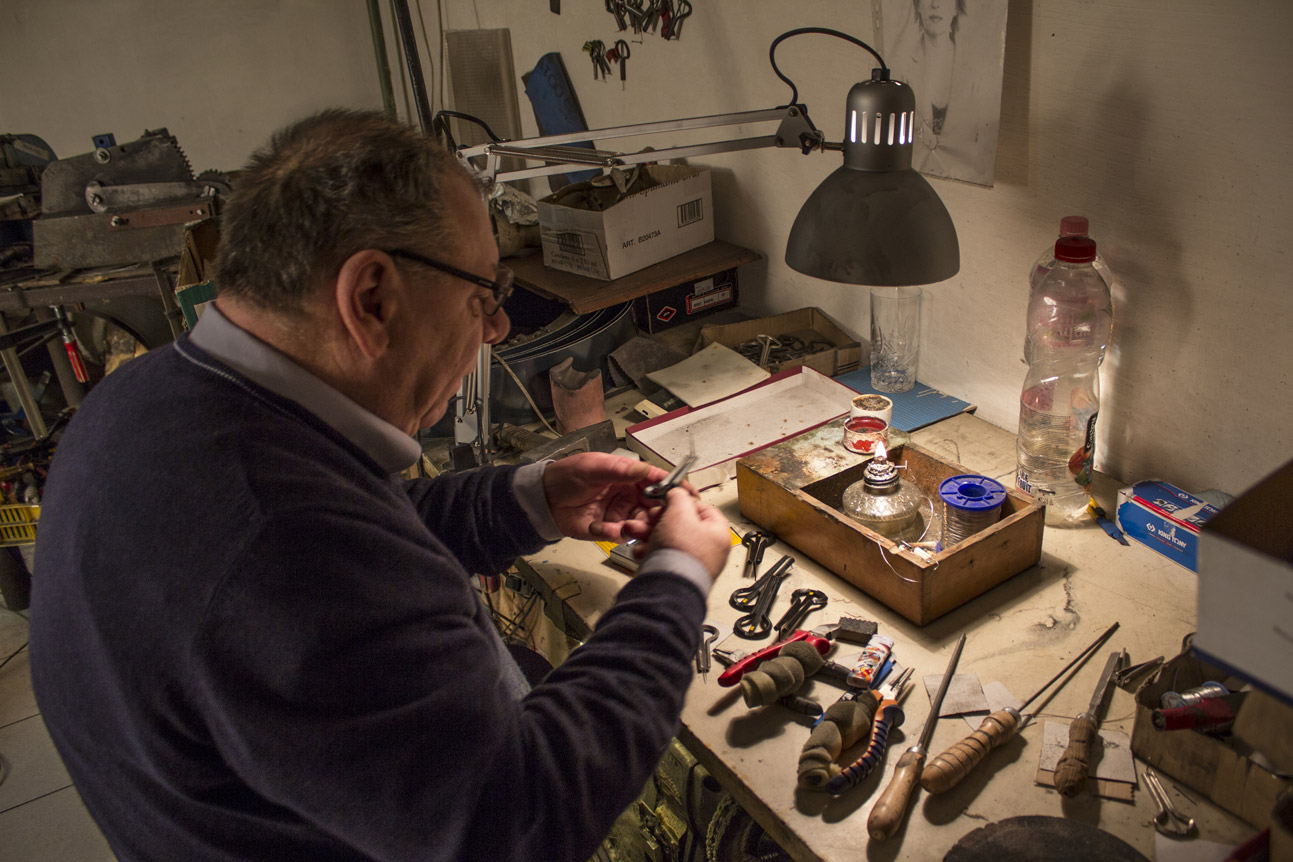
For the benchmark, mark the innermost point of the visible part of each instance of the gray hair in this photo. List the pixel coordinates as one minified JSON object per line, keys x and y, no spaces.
{"x":323,"y":189}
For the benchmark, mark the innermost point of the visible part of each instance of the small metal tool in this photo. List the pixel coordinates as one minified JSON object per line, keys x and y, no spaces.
{"x":1168,"y":820}
{"x":758,"y":599}
{"x":756,"y":542}
{"x":1126,"y":675}
{"x":802,"y":603}
{"x":660,"y":489}
{"x":702,"y":654}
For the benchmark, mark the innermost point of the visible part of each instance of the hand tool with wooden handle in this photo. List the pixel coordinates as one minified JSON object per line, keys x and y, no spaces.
{"x":1073,"y":767}
{"x":888,"y":716}
{"x":892,"y":805}
{"x":946,"y":771}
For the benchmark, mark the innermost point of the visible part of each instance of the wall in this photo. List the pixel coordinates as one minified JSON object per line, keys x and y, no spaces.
{"x":1154,"y":119}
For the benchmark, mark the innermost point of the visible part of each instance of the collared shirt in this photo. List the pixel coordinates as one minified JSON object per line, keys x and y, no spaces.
{"x":391,"y":448}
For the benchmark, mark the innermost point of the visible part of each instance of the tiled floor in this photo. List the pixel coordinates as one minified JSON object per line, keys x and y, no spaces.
{"x":41,"y":815}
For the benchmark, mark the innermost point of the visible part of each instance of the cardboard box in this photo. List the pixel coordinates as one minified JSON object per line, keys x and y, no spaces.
{"x":1165,"y":518}
{"x":838,"y":352}
{"x":1246,"y":586}
{"x":795,"y":489}
{"x":665,"y":309}
{"x":780,"y":407}
{"x":642,"y":229}
{"x":1205,"y":763}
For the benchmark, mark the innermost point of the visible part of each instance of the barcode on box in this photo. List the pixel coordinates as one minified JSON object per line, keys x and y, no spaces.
{"x":571,"y":243}
{"x":691,"y":212}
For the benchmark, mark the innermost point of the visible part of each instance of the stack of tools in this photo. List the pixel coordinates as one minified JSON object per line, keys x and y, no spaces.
{"x":122,"y":204}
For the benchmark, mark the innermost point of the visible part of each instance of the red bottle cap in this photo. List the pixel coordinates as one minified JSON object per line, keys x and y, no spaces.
{"x":1075,"y":249}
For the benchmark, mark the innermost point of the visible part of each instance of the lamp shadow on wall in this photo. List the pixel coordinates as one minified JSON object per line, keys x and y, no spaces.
{"x":1145,"y":256}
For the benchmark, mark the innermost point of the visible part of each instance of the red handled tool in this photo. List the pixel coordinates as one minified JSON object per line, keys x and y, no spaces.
{"x":70,"y":345}
{"x":818,"y":638}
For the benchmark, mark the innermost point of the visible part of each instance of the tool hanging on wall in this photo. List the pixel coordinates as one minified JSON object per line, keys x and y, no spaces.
{"x":620,"y":54}
{"x":891,"y":808}
{"x":596,"y":50}
{"x":1071,"y":771}
{"x":672,"y":28}
{"x":946,"y":771}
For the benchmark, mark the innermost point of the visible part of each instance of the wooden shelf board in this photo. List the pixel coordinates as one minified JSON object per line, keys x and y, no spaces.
{"x":584,"y":294}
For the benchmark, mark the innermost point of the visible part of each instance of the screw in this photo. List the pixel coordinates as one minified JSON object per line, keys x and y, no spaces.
{"x":96,"y":199}
{"x":118,"y":221}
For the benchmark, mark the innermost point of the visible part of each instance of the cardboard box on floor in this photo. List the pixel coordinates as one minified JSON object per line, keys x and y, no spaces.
{"x":838,"y":352}
{"x":646,"y":227}
{"x":1204,"y":763}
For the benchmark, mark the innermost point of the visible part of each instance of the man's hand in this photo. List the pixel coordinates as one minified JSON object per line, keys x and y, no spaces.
{"x":594,"y":495}
{"x":687,"y":524}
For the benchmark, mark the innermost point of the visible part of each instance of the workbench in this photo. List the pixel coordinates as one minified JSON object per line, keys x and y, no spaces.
{"x":1019,"y":633}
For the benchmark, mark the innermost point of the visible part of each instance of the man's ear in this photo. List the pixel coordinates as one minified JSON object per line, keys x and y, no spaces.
{"x":366,"y":294}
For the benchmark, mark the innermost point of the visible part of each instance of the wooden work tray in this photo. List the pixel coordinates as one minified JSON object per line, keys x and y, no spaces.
{"x":795,"y":488}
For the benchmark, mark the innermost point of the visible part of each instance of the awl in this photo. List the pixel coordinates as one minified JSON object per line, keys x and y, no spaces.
{"x":892,"y":805}
{"x":1071,"y":771}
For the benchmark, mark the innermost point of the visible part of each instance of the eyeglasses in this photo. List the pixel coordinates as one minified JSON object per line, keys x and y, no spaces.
{"x":500,"y":286}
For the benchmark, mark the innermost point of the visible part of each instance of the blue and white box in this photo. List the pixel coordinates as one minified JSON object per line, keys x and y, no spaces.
{"x":1165,"y":518}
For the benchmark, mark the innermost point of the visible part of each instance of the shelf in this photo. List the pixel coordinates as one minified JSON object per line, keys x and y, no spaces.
{"x":584,"y":294}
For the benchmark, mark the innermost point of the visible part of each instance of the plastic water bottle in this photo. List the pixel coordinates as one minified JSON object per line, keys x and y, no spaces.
{"x":1069,"y":226}
{"x":1070,"y":318}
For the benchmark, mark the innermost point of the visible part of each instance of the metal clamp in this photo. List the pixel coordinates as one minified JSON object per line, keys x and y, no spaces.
{"x":1168,"y":820}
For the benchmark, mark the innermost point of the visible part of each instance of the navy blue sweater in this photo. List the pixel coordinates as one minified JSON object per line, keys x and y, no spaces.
{"x":248,"y":642}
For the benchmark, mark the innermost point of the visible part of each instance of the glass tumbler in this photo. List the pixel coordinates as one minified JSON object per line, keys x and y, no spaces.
{"x":895,"y":337}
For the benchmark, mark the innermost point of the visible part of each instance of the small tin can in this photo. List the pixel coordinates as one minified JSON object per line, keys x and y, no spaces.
{"x":1191,"y":696}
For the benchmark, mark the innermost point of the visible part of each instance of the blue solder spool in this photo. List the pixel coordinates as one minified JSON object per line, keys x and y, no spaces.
{"x":970,"y":504}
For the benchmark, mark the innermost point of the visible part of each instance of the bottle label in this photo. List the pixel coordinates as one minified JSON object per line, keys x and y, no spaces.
{"x":1081,"y":462}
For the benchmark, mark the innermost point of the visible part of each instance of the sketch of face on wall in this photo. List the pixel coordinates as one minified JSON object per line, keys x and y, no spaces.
{"x":951,"y":53}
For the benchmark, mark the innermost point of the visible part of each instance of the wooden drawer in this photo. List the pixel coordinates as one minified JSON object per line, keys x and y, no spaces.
{"x":795,"y":487}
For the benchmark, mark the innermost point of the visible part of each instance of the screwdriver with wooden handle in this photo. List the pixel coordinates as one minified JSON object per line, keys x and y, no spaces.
{"x":891,"y":808}
{"x":946,"y":771}
{"x":1071,"y":771}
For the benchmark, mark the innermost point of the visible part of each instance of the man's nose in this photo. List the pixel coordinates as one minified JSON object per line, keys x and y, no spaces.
{"x":497,"y":325}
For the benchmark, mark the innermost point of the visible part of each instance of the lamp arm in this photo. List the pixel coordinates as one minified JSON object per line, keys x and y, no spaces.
{"x":795,"y":130}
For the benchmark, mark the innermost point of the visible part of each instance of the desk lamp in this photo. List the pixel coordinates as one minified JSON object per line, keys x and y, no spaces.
{"x":874,"y":221}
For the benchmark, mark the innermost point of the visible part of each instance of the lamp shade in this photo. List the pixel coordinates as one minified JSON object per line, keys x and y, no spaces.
{"x":874,"y":220}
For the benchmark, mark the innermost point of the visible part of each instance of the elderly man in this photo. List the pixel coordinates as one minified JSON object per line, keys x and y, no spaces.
{"x":252,"y":640}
